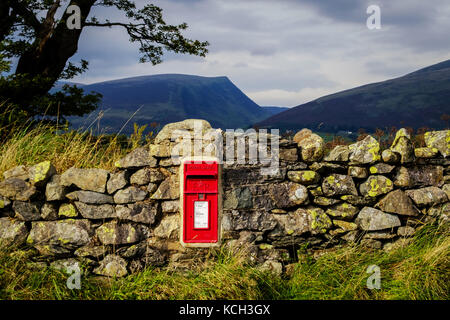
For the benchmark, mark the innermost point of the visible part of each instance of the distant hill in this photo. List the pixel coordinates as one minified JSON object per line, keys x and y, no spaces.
{"x":417,"y":100}
{"x":168,"y":98}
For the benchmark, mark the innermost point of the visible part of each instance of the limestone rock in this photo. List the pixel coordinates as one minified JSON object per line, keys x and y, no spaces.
{"x":301,"y":135}
{"x":129,"y":195}
{"x":147,"y":175}
{"x":345,"y":225}
{"x":390,"y":156}
{"x":96,"y":212}
{"x":304,"y":177}
{"x":371,"y":243}
{"x":446,"y":189}
{"x":381,"y":168}
{"x":170,"y":206}
{"x":426,"y":153}
{"x":12,"y":232}
{"x":49,"y":211}
{"x":141,"y":212}
{"x":379,"y":235}
{"x":86,"y":179}
{"x":324,"y":201}
{"x":115,"y":233}
{"x":427,"y":196}
{"x":90,"y":197}
{"x":54,"y":190}
{"x":290,"y":225}
{"x":397,"y":244}
{"x":327,"y":167}
{"x":27,"y":211}
{"x":403,"y":146}
{"x":19,"y":172}
{"x":238,"y":198}
{"x":137,"y":158}
{"x":117,"y":181}
{"x":338,"y":184}
{"x":398,"y":202}
{"x":406,"y":231}
{"x":439,"y":140}
{"x":419,"y":176}
{"x":59,"y":237}
{"x":4,"y":202}
{"x":338,"y":154}
{"x":287,"y":194}
{"x":169,"y":189}
{"x":91,"y":251}
{"x":272,"y":266}
{"x":375,"y":186}
{"x":359,"y":200}
{"x":357,"y":172}
{"x":311,"y":146}
{"x":112,"y":266}
{"x":343,"y":211}
{"x":366,"y":151}
{"x":371,"y":219}
{"x":67,"y":210}
{"x":168,"y":227}
{"x":320,"y":222}
{"x":17,"y":189}
{"x":167,"y":132}
{"x":250,"y":220}
{"x":288,"y":154}
{"x":40,"y":173}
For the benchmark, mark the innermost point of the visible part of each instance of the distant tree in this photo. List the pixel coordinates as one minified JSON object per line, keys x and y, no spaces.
{"x":42,"y":43}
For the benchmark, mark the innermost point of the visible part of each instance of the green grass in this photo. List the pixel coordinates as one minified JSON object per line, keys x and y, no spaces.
{"x":419,"y":270}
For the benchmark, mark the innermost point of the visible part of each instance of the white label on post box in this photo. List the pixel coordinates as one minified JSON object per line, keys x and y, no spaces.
{"x":201,"y":215}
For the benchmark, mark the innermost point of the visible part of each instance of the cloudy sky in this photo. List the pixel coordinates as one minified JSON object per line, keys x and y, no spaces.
{"x":284,"y":52}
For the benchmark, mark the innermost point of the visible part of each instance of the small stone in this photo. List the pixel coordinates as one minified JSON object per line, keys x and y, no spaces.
{"x":358,"y":200}
{"x":288,"y":194}
{"x":292,"y":224}
{"x":320,"y":222}
{"x":19,"y":172}
{"x":168,"y":227}
{"x":170,"y":206}
{"x":86,"y":179}
{"x":288,"y":154}
{"x":338,"y":154}
{"x":390,"y":156}
{"x":398,"y":202}
{"x":324,"y":201}
{"x":144,"y":212}
{"x":137,"y":158}
{"x":366,"y":151}
{"x":90,"y":197}
{"x":304,"y":177}
{"x":67,"y":210}
{"x":129,"y":195}
{"x":4,"y":202}
{"x":117,"y":181}
{"x":311,"y":146}
{"x":439,"y":140}
{"x":379,"y":235}
{"x":54,"y":191}
{"x":152,"y":187}
{"x":338,"y":184}
{"x":446,"y":189}
{"x":427,"y":196}
{"x":371,"y":243}
{"x":12,"y":233}
{"x":147,"y":175}
{"x":96,"y":212}
{"x":345,"y":225}
{"x":419,"y":176}
{"x":41,"y":173}
{"x":49,"y":211}
{"x":64,"y":265}
{"x":238,"y":198}
{"x":169,"y":189}
{"x":375,"y":186}
{"x":406,"y":231}
{"x":27,"y":211}
{"x":351,"y":236}
{"x":371,"y":219}
{"x":381,"y":168}
{"x":343,"y":211}
{"x":357,"y":172}
{"x":400,"y":243}
{"x":91,"y":251}
{"x":271,"y":266}
{"x":426,"y":153}
{"x":403,"y":146}
{"x":17,"y":189}
{"x":115,"y":233}
{"x":112,"y":266}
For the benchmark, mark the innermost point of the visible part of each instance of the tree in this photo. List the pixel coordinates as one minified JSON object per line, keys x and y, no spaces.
{"x":42,"y":43}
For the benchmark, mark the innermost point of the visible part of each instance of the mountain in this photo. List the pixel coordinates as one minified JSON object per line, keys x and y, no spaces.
{"x":417,"y":99}
{"x":168,"y":98}
{"x":274,"y":109}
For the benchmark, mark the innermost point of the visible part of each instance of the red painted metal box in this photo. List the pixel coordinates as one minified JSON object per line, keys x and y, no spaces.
{"x":200,"y":202}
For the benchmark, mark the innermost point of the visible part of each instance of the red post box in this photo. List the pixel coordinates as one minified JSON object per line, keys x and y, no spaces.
{"x":201,"y":203}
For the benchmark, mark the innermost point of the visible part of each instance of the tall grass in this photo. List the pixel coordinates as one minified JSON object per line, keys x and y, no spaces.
{"x":419,"y":270}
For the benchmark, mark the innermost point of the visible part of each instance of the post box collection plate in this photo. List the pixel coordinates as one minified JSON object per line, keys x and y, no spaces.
{"x":200,"y":202}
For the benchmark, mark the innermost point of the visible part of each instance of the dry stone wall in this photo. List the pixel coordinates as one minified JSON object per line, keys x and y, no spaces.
{"x":122,"y":221}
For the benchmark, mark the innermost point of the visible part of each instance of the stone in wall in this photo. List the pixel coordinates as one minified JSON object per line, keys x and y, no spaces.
{"x":366,"y":151}
{"x":338,"y":184}
{"x":86,"y":179}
